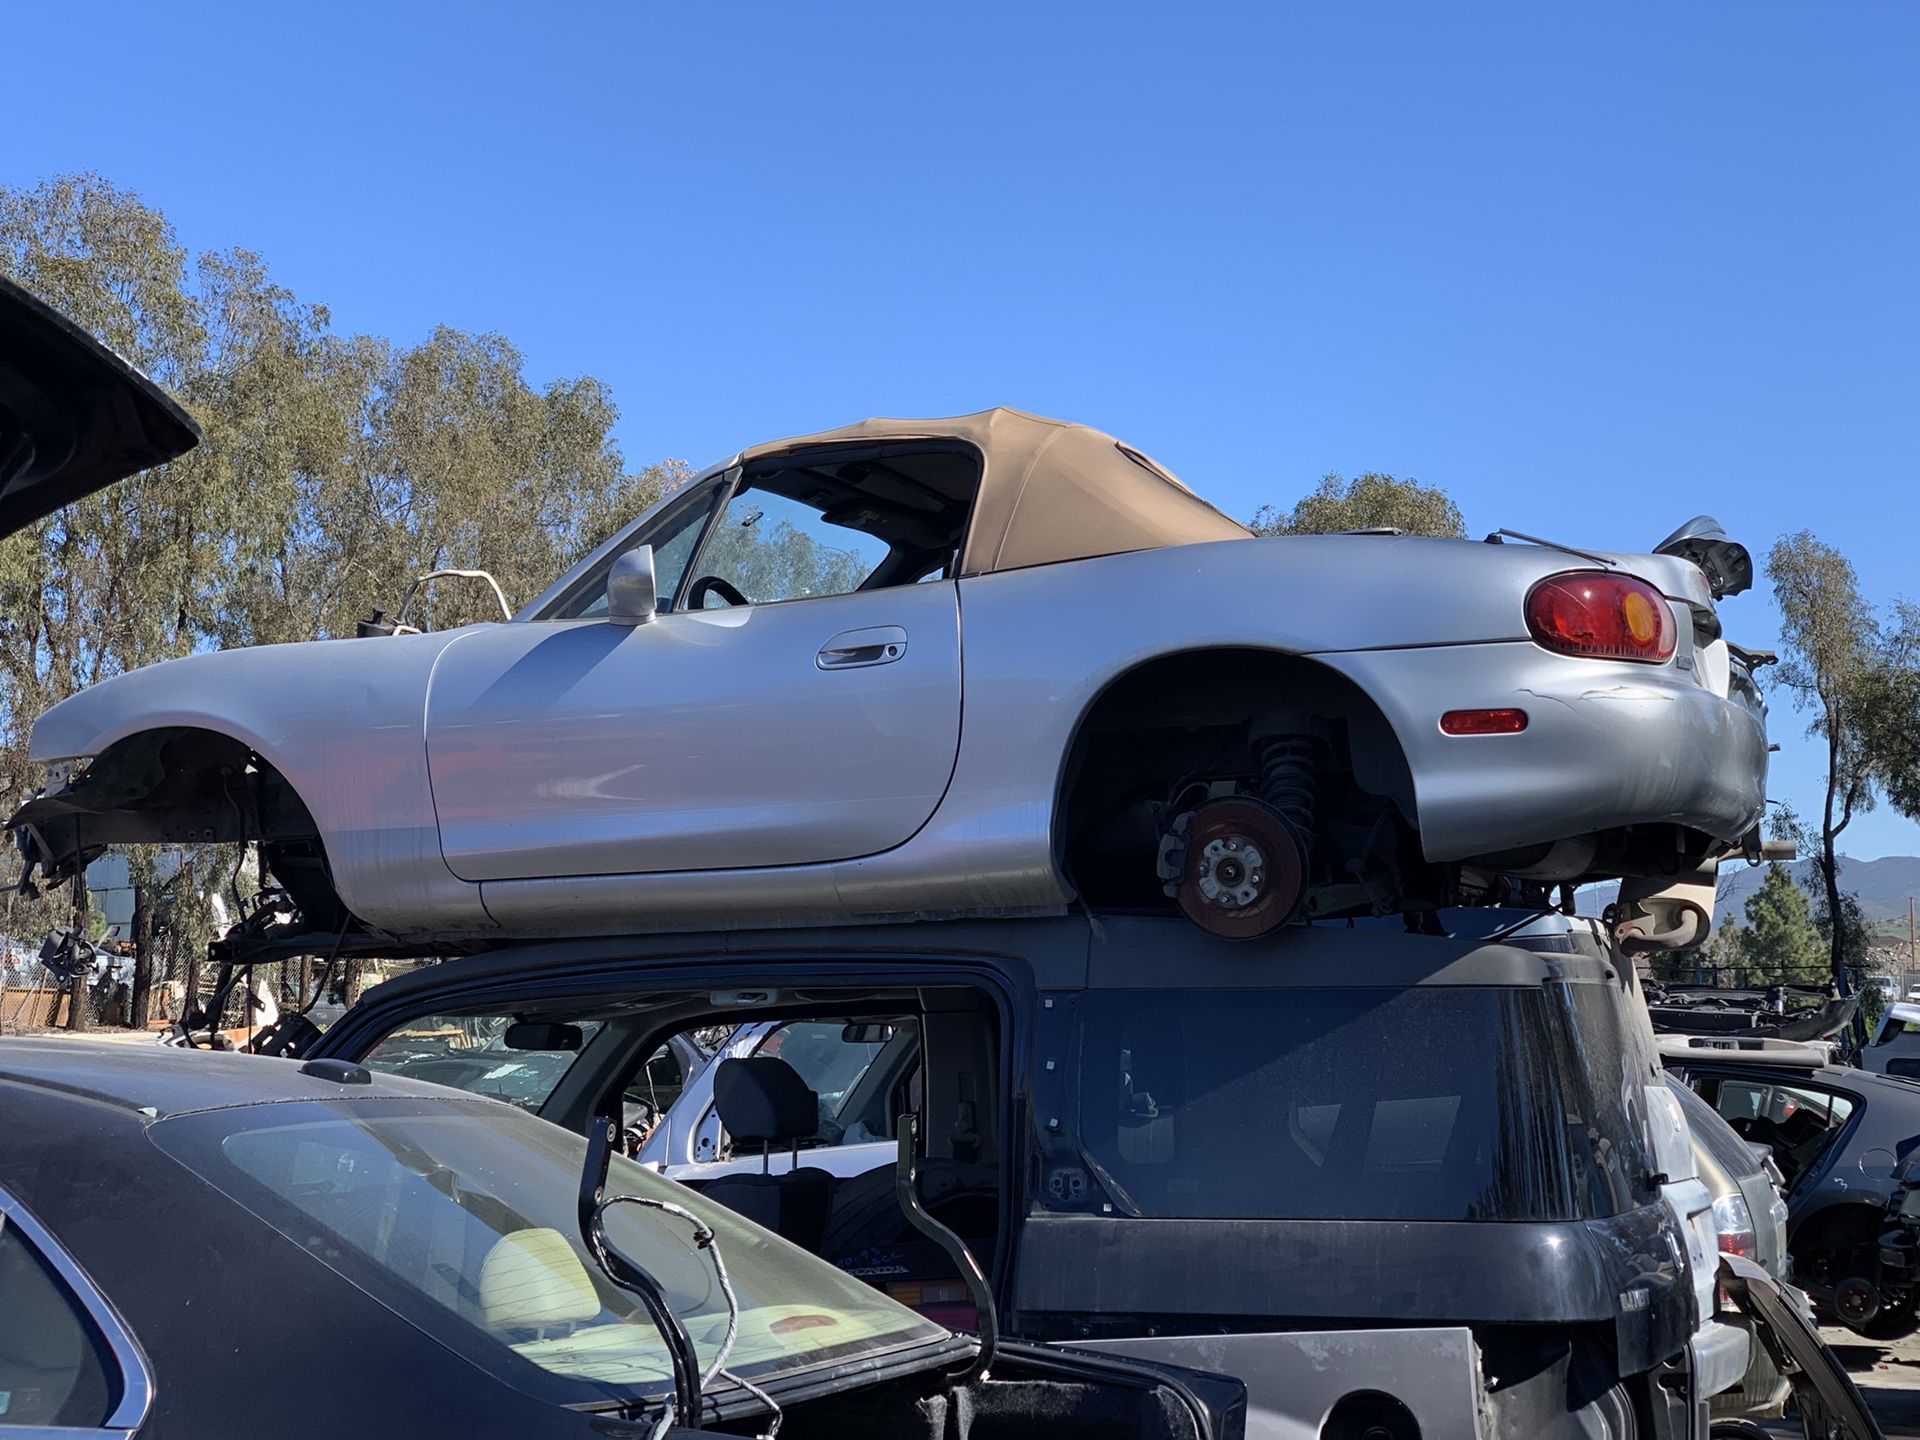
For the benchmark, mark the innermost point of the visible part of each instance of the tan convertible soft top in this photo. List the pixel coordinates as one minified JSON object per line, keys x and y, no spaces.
{"x":1048,"y":490}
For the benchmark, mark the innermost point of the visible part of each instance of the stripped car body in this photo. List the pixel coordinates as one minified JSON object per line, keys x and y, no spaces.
{"x":1066,"y":678}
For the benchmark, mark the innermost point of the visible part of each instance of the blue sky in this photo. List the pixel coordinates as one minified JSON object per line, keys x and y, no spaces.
{"x":1592,"y":269}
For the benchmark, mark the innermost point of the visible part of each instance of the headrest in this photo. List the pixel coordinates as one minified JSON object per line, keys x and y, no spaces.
{"x":764,"y":1098}
{"x":532,"y":1278}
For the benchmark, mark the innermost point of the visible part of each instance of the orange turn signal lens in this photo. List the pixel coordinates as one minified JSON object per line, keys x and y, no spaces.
{"x":1483,"y":722}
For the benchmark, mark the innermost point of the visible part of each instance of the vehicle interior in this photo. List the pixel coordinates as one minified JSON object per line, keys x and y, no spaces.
{"x":820,"y":521}
{"x":1795,"y":1122}
{"x":799,"y":1134}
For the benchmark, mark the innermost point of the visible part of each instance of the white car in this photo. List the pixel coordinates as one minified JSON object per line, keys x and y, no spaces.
{"x":986,"y":665}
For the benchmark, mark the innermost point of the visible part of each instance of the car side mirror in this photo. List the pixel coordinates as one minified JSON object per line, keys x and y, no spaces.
{"x":631,"y":596}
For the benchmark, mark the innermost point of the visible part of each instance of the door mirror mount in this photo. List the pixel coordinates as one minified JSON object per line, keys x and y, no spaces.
{"x":631,"y":595}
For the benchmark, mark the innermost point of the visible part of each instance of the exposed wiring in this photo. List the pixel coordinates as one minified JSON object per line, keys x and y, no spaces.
{"x":765,"y":1399}
{"x":326,"y":971}
{"x":704,"y":1239}
{"x":679,"y":1347}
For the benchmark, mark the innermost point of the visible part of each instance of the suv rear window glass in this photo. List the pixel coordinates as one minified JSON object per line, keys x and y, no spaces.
{"x":1363,"y":1104}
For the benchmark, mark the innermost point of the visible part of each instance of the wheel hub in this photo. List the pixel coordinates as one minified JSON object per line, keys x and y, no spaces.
{"x":1232,"y":872}
{"x":1244,"y":869}
{"x":1856,"y":1299}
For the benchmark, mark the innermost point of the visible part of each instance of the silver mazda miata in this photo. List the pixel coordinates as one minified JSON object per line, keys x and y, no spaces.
{"x":986,"y":665}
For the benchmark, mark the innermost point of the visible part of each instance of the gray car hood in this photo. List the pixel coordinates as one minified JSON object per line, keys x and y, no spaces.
{"x":74,"y":416}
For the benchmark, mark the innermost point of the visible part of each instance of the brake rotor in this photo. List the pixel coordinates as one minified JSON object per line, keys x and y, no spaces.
{"x":1245,"y":869}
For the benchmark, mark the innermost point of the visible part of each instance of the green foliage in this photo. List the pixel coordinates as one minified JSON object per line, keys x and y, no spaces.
{"x":1860,"y":680}
{"x":1887,"y":703}
{"x":1779,"y":941}
{"x":335,"y":469}
{"x":1370,"y":502}
{"x":781,"y":562}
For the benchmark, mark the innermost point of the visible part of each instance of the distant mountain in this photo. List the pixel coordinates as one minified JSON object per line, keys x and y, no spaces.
{"x":1883,"y":886}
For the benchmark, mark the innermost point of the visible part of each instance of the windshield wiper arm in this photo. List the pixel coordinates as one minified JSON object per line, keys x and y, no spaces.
{"x":603,"y":1133}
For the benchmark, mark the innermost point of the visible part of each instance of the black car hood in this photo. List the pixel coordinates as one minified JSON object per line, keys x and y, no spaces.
{"x":74,"y":416}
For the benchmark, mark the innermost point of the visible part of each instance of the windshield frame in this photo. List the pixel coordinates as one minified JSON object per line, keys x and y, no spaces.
{"x":195,"y":1139}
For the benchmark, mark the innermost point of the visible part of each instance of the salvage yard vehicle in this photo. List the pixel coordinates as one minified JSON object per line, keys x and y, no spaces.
{"x":1750,"y":1219}
{"x":1435,"y":1180}
{"x":1839,"y":1136}
{"x":1895,"y":1046}
{"x":463,"y":1268}
{"x":1900,"y":1232}
{"x":746,"y":709}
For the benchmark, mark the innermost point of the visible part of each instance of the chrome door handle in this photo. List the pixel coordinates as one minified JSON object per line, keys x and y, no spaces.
{"x":857,"y":649}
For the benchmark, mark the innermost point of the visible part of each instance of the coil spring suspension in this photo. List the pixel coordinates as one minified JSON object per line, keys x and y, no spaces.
{"x":1288,"y":772}
{"x":1237,"y":865}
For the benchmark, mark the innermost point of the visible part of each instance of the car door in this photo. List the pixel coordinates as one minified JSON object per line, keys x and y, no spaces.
{"x":797,"y":702}
{"x":1797,"y":1120}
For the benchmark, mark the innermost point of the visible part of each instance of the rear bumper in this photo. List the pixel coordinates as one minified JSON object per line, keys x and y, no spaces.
{"x":1607,"y":744}
{"x":1721,"y":1354}
{"x":1761,"y":1391}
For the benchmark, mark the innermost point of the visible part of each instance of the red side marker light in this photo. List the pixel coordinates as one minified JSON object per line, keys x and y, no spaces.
{"x":1483,"y":722}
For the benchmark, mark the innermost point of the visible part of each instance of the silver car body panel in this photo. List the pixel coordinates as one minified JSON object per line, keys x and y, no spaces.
{"x":707,"y":740}
{"x":788,"y":794}
{"x":1294,"y":1379}
{"x":1895,"y":1047}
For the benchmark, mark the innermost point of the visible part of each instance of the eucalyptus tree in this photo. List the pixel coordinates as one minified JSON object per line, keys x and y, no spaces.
{"x":1368,"y":502}
{"x":335,"y":469}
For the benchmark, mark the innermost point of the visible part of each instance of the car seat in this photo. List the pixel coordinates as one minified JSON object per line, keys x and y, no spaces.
{"x":762,"y":1098}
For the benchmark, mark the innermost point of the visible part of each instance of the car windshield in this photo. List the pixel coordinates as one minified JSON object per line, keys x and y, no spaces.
{"x":470,"y":1052}
{"x":1351,"y":1104}
{"x":460,"y":1216}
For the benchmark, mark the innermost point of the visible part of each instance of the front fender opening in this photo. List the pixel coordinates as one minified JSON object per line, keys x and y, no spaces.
{"x":181,"y":786}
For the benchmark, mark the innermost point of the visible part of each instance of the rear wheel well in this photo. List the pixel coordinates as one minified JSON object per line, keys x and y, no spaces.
{"x":1199,"y":714}
{"x":1846,"y":1226}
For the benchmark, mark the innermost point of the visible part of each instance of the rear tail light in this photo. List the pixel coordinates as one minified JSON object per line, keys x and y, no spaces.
{"x":1734,"y":1221}
{"x":1607,"y":617}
